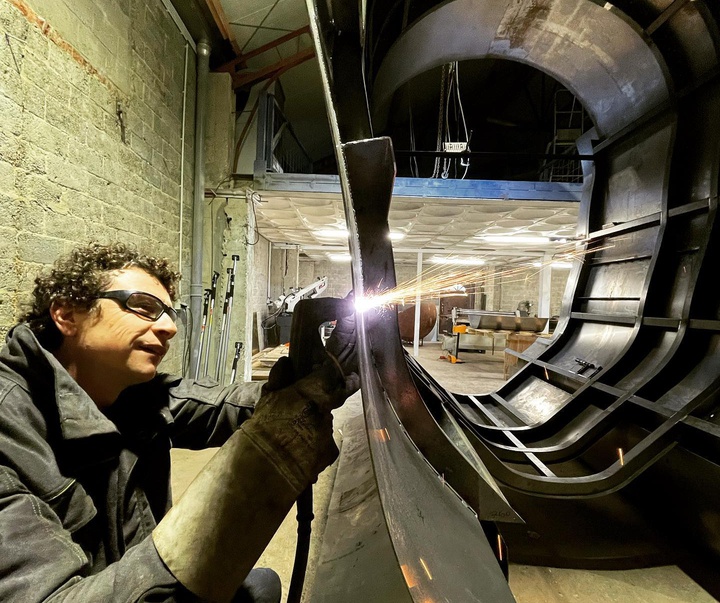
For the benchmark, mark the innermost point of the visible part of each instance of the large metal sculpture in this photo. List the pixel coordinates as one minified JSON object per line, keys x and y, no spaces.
{"x":604,"y":448}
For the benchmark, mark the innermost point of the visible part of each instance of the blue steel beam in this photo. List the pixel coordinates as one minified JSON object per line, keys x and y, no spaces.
{"x":506,"y":190}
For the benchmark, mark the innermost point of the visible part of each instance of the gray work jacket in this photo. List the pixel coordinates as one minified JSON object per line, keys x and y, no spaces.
{"x":81,"y":491}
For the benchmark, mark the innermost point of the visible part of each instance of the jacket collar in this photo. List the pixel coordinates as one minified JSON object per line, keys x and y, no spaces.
{"x":78,"y":415}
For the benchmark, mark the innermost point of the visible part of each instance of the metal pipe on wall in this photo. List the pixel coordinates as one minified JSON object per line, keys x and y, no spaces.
{"x":196,"y":282}
{"x":182,"y":168}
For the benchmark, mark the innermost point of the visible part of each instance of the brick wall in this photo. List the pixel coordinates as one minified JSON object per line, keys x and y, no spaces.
{"x":514,"y":288}
{"x":91,"y":106}
{"x":557,"y":290}
{"x":339,"y":276}
{"x":517,"y":287}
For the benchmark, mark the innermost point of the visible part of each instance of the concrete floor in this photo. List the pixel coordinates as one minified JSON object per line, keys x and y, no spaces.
{"x":477,"y":373}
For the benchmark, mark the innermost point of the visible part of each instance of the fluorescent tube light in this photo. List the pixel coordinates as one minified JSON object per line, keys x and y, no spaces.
{"x":528,"y":239}
{"x":458,"y":261}
{"x":332,"y":233}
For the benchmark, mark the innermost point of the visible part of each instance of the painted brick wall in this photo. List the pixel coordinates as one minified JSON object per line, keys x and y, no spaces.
{"x":514,"y":288}
{"x":339,"y":276}
{"x":557,"y":290}
{"x":518,"y":287}
{"x":91,"y":107}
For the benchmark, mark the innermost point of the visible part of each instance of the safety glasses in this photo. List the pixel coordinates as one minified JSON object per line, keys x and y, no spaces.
{"x":141,"y":303}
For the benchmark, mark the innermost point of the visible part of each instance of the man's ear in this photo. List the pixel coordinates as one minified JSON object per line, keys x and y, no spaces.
{"x":65,"y":318}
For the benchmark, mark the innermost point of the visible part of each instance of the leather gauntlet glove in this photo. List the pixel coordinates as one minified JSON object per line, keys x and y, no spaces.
{"x":296,"y":421}
{"x":214,"y":535}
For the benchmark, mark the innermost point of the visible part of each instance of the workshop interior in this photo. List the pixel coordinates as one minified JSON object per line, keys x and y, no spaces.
{"x":526,"y":187}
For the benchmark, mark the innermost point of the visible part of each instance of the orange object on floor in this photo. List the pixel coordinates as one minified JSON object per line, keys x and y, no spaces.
{"x":452,"y":359}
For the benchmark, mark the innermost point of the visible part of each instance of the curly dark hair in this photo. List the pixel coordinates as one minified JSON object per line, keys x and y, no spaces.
{"x":80,"y":276}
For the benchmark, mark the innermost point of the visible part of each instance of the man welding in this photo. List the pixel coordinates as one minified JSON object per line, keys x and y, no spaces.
{"x":86,"y":427}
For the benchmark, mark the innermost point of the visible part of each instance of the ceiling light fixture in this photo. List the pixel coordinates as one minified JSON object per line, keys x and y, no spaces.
{"x":339,"y":257}
{"x":332,"y":233}
{"x":562,"y":265}
{"x":528,"y":239}
{"x":397,"y":236}
{"x":457,"y":261}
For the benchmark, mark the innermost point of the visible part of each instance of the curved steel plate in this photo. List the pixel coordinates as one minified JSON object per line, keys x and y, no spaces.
{"x":601,"y":57}
{"x":422,"y":512}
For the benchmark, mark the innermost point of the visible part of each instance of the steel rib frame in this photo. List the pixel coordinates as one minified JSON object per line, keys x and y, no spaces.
{"x":417,"y":502}
{"x":660,"y":315}
{"x":655,"y":445}
{"x":528,"y":431}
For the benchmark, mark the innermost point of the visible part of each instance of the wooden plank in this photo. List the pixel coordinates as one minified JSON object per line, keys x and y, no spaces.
{"x":263,"y":361}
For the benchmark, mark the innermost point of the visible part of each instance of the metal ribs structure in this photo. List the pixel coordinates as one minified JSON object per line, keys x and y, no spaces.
{"x":536,"y":464}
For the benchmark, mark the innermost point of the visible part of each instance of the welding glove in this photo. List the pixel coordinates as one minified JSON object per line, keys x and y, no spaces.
{"x":213,"y":536}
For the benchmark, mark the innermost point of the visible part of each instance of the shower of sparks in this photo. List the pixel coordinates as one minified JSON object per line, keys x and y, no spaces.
{"x":444,"y":280}
{"x":426,"y":568}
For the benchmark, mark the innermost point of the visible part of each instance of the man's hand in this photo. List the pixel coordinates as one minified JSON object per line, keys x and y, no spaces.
{"x":327,"y":387}
{"x":335,"y":379}
{"x":297,"y":418}
{"x":306,"y":404}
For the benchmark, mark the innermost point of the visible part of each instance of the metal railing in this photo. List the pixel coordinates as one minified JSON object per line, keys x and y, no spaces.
{"x":278,"y":148}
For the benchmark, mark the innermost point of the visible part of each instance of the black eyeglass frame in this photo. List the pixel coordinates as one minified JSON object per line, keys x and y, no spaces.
{"x":123,"y":296}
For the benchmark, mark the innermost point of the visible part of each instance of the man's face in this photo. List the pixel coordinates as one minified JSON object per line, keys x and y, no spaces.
{"x":116,"y":346}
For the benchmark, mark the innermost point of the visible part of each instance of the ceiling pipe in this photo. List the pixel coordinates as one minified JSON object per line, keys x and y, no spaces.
{"x":196,"y":275}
